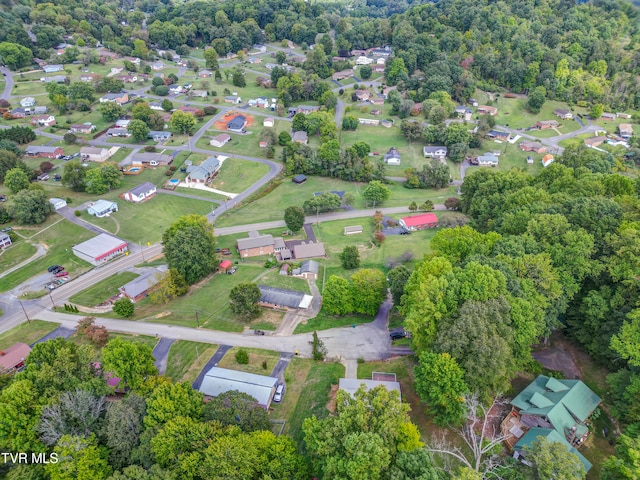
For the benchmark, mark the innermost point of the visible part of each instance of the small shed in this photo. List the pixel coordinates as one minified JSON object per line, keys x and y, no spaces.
{"x":284,"y":269}
{"x":225,"y":265}
{"x":352,"y":230}
{"x":57,"y":203}
{"x":299,"y":179}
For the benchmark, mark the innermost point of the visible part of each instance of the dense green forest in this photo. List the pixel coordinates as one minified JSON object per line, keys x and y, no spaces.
{"x":587,"y":52}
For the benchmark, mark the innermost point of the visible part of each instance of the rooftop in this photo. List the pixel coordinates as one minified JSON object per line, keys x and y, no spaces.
{"x":142,"y":188}
{"x":422,"y":219}
{"x":287,"y":298}
{"x":255,"y":242}
{"x":13,"y":356}
{"x":100,"y":244}
{"x":220,"y":380}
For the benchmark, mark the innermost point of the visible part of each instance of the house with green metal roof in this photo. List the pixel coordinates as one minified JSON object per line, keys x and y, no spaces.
{"x":551,"y":435}
{"x":563,"y":404}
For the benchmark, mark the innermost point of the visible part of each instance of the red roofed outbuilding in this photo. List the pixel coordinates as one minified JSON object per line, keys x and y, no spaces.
{"x":225,"y":265}
{"x":419,"y":222}
{"x":13,"y":358}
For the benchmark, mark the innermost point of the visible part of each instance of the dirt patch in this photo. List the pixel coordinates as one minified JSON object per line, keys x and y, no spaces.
{"x":331,"y":406}
{"x":222,"y":123}
{"x":559,"y":357}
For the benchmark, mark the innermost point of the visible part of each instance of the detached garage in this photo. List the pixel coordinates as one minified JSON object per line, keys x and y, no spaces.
{"x":100,"y":249}
{"x":221,"y":380}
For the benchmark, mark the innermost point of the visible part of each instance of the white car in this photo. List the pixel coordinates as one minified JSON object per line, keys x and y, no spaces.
{"x":277,"y":397}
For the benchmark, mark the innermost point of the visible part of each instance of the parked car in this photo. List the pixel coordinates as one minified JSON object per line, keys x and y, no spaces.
{"x":226,"y":251}
{"x":75,"y":155}
{"x":52,"y":268}
{"x":3,"y":198}
{"x":231,"y":271}
{"x":44,"y":177}
{"x":61,"y":274}
{"x":6,"y":229}
{"x":397,"y":334}
{"x":58,"y":270}
{"x":277,"y":397}
{"x":57,"y":178}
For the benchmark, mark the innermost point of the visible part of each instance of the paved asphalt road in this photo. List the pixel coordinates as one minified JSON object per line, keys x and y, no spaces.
{"x":281,"y":366}
{"x":8,"y":86}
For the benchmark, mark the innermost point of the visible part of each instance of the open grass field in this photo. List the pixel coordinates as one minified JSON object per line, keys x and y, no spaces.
{"x":205,"y":194}
{"x":309,"y":390}
{"x":324,"y":321}
{"x":27,"y":333}
{"x":512,"y":112}
{"x":16,"y":253}
{"x":236,"y":175}
{"x":101,"y":291}
{"x":272,"y":206}
{"x":58,"y":238}
{"x":186,"y":359}
{"x":210,"y":299}
{"x":256,"y":359}
{"x":245,"y":144}
{"x":145,"y":222}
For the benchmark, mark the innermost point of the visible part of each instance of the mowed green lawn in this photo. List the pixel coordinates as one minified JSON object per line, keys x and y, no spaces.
{"x":102,"y":290}
{"x":186,"y":359}
{"x":271,"y":207}
{"x":308,"y":393}
{"x":145,"y":222}
{"x":59,"y":239}
{"x":236,"y":175}
{"x":512,"y":112}
{"x":210,"y":300}
{"x":27,"y":332}
{"x":256,"y":359}
{"x":16,"y":253}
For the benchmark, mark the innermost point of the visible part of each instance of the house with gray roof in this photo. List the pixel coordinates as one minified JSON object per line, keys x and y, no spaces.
{"x":436,"y":151}
{"x":102,"y":208}
{"x":308,"y":269}
{"x":220,"y":380}
{"x":237,"y":124}
{"x":256,"y":244}
{"x":392,"y":157}
{"x":204,"y":172}
{"x":139,"y":288}
{"x":159,"y":135}
{"x":139,"y":194}
{"x":309,"y":250}
{"x":273,"y":297}
{"x":151,"y":159}
{"x":300,"y":136}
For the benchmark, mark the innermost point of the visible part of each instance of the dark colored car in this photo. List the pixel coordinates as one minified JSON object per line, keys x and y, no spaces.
{"x":57,"y":178}
{"x":53,"y":267}
{"x":226,"y":251}
{"x":58,"y":269}
{"x":397,"y":334}
{"x":3,"y":198}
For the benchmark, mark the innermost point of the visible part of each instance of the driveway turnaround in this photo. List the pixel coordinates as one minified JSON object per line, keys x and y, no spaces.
{"x":281,"y":366}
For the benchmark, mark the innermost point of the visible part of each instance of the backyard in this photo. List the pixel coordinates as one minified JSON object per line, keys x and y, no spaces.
{"x":236,"y":175}
{"x":186,"y":359}
{"x":101,"y":291}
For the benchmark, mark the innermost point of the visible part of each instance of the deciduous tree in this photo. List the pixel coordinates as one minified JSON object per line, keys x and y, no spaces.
{"x":132,"y":362}
{"x":30,"y":206}
{"x":294,"y":218}
{"x":376,"y":192}
{"x":16,"y":179}
{"x":243,"y":300}
{"x":350,"y":257}
{"x":552,"y":460}
{"x":124,"y":307}
{"x":337,"y":297}
{"x":369,"y":290}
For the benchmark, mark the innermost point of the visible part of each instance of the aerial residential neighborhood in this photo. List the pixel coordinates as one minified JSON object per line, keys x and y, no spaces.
{"x":319,"y":240}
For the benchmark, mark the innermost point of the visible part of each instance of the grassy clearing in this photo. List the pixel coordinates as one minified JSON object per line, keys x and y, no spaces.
{"x":103,"y":290}
{"x":200,"y":193}
{"x":27,"y":333}
{"x":309,"y":390}
{"x":186,"y":359}
{"x":59,"y":239}
{"x":245,"y":144}
{"x":16,"y":253}
{"x":512,"y":112}
{"x":324,"y":321}
{"x":145,"y":222}
{"x":256,"y":361}
{"x":272,"y":206}
{"x":236,"y":175}
{"x":210,"y":299}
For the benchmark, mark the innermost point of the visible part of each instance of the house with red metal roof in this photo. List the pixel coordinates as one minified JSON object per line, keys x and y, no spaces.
{"x":13,"y":358}
{"x":419,"y":222}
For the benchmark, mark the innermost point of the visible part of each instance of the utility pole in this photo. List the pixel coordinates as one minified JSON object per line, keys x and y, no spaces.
{"x":197,"y":320}
{"x":25,"y":312}
{"x":53,"y":305}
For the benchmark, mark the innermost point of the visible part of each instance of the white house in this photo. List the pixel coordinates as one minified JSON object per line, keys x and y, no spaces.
{"x":175,"y":89}
{"x":362,"y":60}
{"x":487,"y":160}
{"x":392,"y":157}
{"x":140,"y":193}
{"x":52,"y":68}
{"x":102,"y":208}
{"x":27,"y":102}
{"x":220,"y":140}
{"x":57,"y":203}
{"x":434,"y":152}
{"x":94,"y":154}
{"x":269,"y":122}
